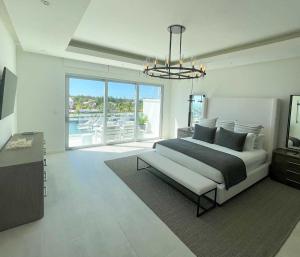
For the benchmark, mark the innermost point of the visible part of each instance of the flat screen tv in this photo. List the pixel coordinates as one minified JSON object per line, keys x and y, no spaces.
{"x":8,"y":87}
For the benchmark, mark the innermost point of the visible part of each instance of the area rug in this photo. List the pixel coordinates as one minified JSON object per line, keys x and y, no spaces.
{"x":255,"y":223}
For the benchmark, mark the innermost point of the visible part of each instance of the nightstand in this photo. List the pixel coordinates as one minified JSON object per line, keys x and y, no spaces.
{"x":185,"y":132}
{"x":285,"y":167}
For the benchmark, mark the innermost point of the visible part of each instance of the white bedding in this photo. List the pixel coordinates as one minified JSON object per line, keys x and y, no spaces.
{"x":252,"y":159}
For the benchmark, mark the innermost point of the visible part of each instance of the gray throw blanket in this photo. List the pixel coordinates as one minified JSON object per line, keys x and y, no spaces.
{"x":232,"y":168}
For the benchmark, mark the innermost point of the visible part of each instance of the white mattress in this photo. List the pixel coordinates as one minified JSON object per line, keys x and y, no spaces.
{"x":252,"y":159}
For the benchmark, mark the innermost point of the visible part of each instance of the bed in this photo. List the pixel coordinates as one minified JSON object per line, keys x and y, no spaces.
{"x":263,"y":111}
{"x":252,"y":159}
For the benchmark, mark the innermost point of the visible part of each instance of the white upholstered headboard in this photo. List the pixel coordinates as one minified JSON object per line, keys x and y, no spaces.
{"x":256,"y":111}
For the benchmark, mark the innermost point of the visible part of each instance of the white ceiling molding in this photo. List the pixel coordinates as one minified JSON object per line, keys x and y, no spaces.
{"x":250,"y":45}
{"x":92,"y":55}
{"x":274,"y":52}
{"x":105,"y":52}
{"x":275,"y":48}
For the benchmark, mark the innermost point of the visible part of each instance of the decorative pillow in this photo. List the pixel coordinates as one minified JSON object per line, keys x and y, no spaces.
{"x":210,"y":123}
{"x":259,"y":142}
{"x":229,"y":125}
{"x":204,"y":134}
{"x":249,"y":142}
{"x":242,"y":128}
{"x":232,"y":140}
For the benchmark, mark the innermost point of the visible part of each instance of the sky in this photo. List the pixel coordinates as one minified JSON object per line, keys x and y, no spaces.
{"x":115,"y":89}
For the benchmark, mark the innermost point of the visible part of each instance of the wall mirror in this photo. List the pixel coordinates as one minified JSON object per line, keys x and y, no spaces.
{"x":197,"y":107}
{"x":293,"y":132}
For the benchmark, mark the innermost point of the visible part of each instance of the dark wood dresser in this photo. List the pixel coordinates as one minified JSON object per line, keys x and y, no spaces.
{"x":185,"y":132}
{"x":22,"y":187}
{"x":285,"y":167}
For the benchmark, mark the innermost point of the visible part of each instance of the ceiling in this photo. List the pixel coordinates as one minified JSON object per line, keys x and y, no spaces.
{"x":123,"y":33}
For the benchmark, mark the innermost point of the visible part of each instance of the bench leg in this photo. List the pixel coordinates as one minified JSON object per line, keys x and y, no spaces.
{"x":137,"y":164}
{"x":215,"y":198}
{"x":198,"y":207}
{"x":214,"y":203}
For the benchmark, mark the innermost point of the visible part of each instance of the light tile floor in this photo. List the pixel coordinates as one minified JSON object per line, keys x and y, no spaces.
{"x":90,"y":212}
{"x":291,"y":247}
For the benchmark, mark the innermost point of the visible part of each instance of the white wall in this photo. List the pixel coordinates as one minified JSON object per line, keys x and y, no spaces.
{"x":8,"y":59}
{"x":41,"y":97}
{"x":277,"y":79}
{"x":41,"y":93}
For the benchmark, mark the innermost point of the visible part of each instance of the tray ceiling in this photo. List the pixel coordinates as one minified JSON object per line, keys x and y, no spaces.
{"x":124,"y":33}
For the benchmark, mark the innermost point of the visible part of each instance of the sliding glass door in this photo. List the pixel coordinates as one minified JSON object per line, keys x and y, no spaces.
{"x":120,"y":118}
{"x":85,"y":115}
{"x":102,"y":112}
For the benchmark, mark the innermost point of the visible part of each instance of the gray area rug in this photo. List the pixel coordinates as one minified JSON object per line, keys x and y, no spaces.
{"x":253,"y":224}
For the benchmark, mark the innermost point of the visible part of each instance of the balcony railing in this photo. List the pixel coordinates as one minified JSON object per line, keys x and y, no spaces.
{"x":90,"y":128}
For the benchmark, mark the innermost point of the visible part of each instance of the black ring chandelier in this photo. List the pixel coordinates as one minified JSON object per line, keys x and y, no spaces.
{"x":174,"y":70}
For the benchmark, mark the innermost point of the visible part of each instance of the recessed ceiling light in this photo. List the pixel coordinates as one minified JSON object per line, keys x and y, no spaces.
{"x":45,"y":2}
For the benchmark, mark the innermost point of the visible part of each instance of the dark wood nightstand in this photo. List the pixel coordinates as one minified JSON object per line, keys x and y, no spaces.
{"x":185,"y":132}
{"x":285,"y":167}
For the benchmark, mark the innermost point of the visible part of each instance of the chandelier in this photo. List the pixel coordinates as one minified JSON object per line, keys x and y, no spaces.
{"x":174,"y":70}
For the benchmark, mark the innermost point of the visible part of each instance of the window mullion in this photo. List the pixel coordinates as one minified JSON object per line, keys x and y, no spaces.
{"x":136,"y":111}
{"x":105,"y":111}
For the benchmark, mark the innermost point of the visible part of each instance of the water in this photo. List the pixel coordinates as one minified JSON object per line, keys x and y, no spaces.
{"x":83,"y":120}
{"x":73,"y":127}
{"x":74,"y":130}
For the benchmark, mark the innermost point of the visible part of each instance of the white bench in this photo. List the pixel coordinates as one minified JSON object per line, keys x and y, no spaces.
{"x":194,"y":182}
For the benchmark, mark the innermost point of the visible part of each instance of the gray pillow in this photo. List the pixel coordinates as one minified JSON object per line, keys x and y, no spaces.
{"x":232,"y":140}
{"x":204,"y":134}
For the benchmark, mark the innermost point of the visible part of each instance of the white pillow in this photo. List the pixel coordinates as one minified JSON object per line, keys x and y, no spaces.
{"x":249,"y":142}
{"x":229,"y":125}
{"x":210,"y":123}
{"x":243,"y":128}
{"x":259,"y":142}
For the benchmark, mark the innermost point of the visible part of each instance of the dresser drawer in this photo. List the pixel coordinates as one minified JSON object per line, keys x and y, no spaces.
{"x":285,"y":167}
{"x":291,"y":174}
{"x":293,"y":183}
{"x":293,"y":165}
{"x":288,"y":162}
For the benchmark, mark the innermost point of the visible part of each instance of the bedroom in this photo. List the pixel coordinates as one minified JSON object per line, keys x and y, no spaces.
{"x":250,"y":53}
